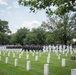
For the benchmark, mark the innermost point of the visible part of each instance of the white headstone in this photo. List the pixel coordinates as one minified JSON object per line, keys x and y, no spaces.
{"x":27,"y":56}
{"x":50,"y":51}
{"x":58,"y":56}
{"x":49,"y":55}
{"x":63,"y":62}
{"x":48,"y":60}
{"x":16,"y":62}
{"x":67,"y":51}
{"x":36,"y":58}
{"x":26,"y":51}
{"x":37,"y":52}
{"x":66,"y":54}
{"x":0,"y":58}
{"x":46,"y":69}
{"x":28,"y":66}
{"x":73,"y":71}
{"x":33,"y":54}
{"x":6,"y":60}
{"x":13,"y":55}
{"x":40,"y":54}
{"x":63,"y":51}
{"x":8,"y":54}
{"x":30,"y":51}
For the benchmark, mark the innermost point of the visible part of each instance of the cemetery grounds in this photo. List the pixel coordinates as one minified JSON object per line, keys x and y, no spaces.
{"x":37,"y":67}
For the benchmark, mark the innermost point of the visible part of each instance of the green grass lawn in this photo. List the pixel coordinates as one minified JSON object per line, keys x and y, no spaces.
{"x":37,"y":68}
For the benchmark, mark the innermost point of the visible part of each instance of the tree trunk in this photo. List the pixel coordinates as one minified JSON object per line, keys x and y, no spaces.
{"x":65,"y":39}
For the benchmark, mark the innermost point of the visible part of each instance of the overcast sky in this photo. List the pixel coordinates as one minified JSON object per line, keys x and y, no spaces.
{"x":20,"y":16}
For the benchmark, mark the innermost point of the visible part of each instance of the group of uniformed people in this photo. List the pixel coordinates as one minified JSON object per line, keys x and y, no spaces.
{"x":25,"y":47}
{"x":14,"y":46}
{"x":32,"y":47}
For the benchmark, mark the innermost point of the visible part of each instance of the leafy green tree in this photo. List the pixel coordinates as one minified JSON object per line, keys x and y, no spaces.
{"x":62,"y":27}
{"x":31,"y":38}
{"x":36,"y":36}
{"x":13,"y":39}
{"x":50,"y":39}
{"x":20,"y":35}
{"x":63,"y":6}
{"x":41,"y":35}
{"x":4,"y":27}
{"x":4,"y":30}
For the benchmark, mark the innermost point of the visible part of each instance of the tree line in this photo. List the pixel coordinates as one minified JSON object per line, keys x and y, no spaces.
{"x":56,"y":30}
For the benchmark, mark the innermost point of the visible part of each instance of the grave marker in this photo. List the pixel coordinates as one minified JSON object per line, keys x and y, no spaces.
{"x":58,"y":56}
{"x":63,"y":62}
{"x":27,"y":56}
{"x":40,"y":54}
{"x":49,"y":55}
{"x":37,"y":52}
{"x":28,"y":66}
{"x":66,"y":54}
{"x":3,"y":53}
{"x":6,"y":60}
{"x":73,"y":71}
{"x":48,"y":60}
{"x":16,"y":62}
{"x":46,"y":69}
{"x":8,"y":54}
{"x":32,"y":53}
{"x":36,"y":58}
{"x":13,"y":55}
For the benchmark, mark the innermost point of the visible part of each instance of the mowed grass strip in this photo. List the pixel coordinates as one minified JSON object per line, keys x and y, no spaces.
{"x":37,"y":68}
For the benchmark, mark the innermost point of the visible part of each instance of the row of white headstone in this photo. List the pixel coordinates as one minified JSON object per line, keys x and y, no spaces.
{"x":46,"y":66}
{"x":7,"y":61}
{"x":15,"y":61}
{"x":73,"y":71}
{"x":28,"y":62}
{"x":33,"y":53}
{"x":28,"y":66}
